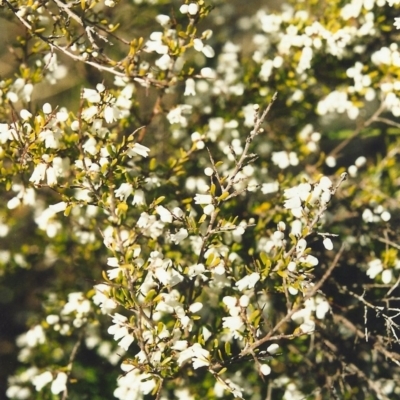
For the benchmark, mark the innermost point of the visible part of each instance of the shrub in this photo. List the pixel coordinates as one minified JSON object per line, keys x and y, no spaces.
{"x":212,"y":210}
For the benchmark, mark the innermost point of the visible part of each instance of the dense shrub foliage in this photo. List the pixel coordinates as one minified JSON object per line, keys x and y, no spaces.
{"x":200,"y":200}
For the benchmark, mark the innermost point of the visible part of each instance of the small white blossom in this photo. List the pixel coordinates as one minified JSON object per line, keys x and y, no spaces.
{"x":375,"y":268}
{"x":47,"y":109}
{"x":163,"y":62}
{"x":193,"y":9}
{"x":190,"y":87}
{"x":328,"y":244}
{"x":208,"y":209}
{"x":265,"y":369}
{"x":61,"y":206}
{"x":179,"y":236}
{"x":113,"y":273}
{"x":120,"y":331}
{"x":387,"y":276}
{"x":91,"y":95}
{"x":203,"y":199}
{"x":235,"y":324}
{"x":60,"y":383}
{"x":124,"y":191}
{"x":139,"y":198}
{"x":195,"y":307}
{"x":38,"y":173}
{"x":40,"y":381}
{"x":273,"y":348}
{"x":196,"y":353}
{"x":102,"y":298}
{"x":163,"y":20}
{"x":248,"y":282}
{"x":165,"y":215}
{"x":138,"y":149}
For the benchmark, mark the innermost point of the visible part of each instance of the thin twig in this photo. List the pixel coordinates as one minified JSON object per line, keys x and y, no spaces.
{"x":268,"y":337}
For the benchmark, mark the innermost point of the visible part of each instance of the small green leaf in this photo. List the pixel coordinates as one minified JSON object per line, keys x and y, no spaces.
{"x":159,"y":200}
{"x":264,"y":258}
{"x":202,"y":218}
{"x":223,"y":196}
{"x":223,"y":370}
{"x":228,"y":348}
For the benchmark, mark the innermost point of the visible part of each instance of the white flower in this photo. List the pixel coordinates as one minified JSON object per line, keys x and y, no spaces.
{"x":184,"y":8}
{"x":124,"y":191}
{"x":296,"y":195}
{"x":111,"y":113}
{"x":179,"y":236}
{"x":193,"y":9}
{"x":165,"y":215}
{"x":265,"y":369}
{"x":90,"y":146}
{"x":138,"y":198}
{"x":248,"y":282}
{"x":155,"y":44}
{"x":25,"y":114}
{"x":309,"y":260}
{"x":244,"y":301}
{"x":178,"y":213}
{"x":6,"y":133}
{"x":321,"y":307}
{"x":38,"y":173}
{"x":89,"y":113}
{"x":40,"y":381}
{"x":196,"y":353}
{"x":195,"y":307}
{"x":60,"y":383}
{"x":138,"y":149}
{"x":386,"y":216}
{"x":77,"y":303}
{"x":21,"y":90}
{"x":307,"y":326}
{"x":113,"y":273}
{"x":234,"y":324}
{"x":231,"y":303}
{"x":176,"y":115}
{"x":271,"y":187}
{"x":301,"y":246}
{"x":208,"y":209}
{"x":387,"y":276}
{"x":91,"y":95}
{"x":283,"y":159}
{"x":375,"y":268}
{"x":195,"y":270}
{"x":291,"y":266}
{"x":61,"y":206}
{"x":273,"y":348}
{"x":102,"y":298}
{"x":368,"y":215}
{"x":120,"y":331}
{"x":325,"y":183}
{"x":203,"y":199}
{"x":51,"y":177}
{"x":328,"y":244}
{"x":163,"y":62}
{"x":133,"y":384}
{"x":163,"y":20}
{"x":190,"y":87}
{"x":50,"y":138}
